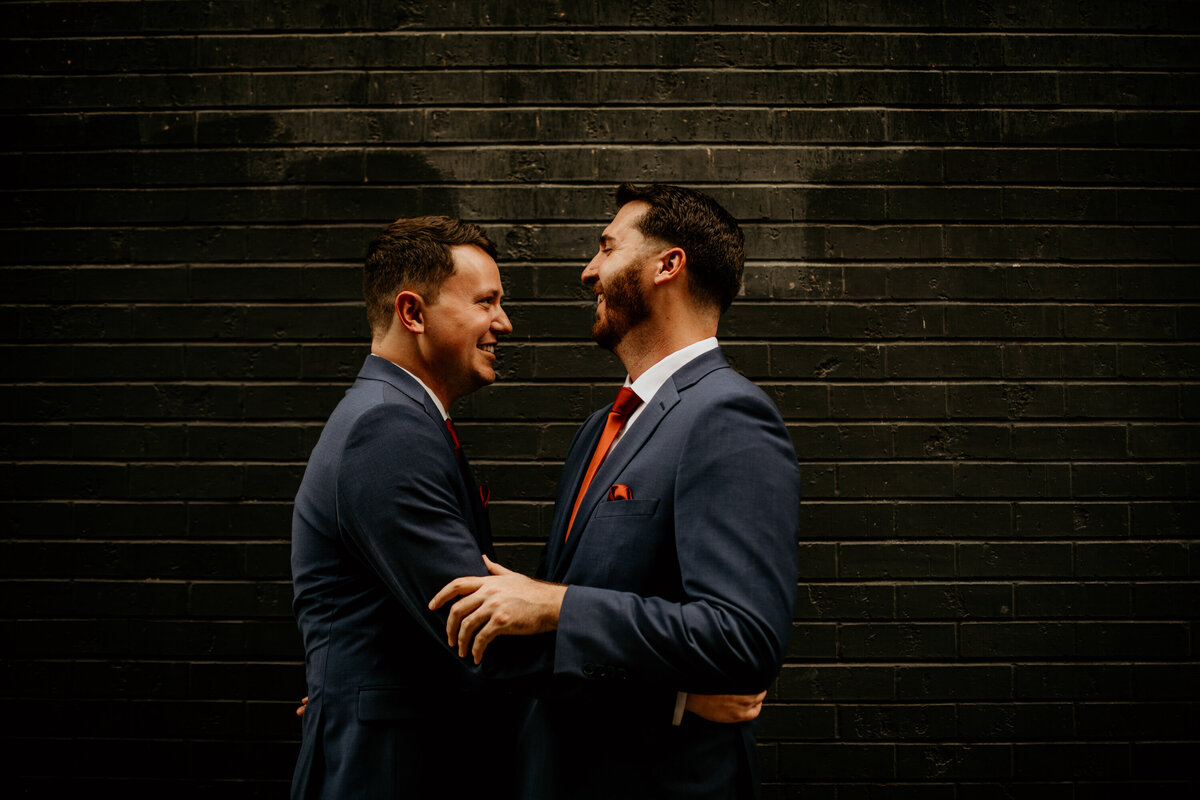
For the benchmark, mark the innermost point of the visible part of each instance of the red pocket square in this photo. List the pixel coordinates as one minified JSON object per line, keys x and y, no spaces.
{"x":619,"y":491}
{"x":485,"y":494}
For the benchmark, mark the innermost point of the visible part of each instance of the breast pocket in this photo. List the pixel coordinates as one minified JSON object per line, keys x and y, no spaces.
{"x":627,"y":508}
{"x":623,"y":545}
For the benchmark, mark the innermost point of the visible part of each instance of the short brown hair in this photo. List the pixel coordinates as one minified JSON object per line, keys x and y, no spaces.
{"x":413,"y":254}
{"x":708,"y":234}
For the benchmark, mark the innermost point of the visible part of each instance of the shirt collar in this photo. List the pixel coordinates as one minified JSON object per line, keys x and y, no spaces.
{"x":421,"y":383}
{"x":650,"y":381}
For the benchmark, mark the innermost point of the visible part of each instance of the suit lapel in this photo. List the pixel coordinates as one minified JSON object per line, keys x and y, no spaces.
{"x":558,"y":552}
{"x":618,"y":458}
{"x":572,"y":475}
{"x":380,"y":369}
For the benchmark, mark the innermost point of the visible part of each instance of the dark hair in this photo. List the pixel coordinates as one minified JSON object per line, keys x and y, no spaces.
{"x":686,"y":218}
{"x":413,"y":254}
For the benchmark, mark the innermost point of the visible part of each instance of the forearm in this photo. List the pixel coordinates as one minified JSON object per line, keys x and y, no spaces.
{"x":696,"y":646}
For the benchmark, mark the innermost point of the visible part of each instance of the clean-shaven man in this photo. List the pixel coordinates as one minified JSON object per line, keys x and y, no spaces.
{"x":386,"y":513}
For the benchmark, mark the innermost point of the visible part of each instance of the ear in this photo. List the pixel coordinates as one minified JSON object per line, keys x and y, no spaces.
{"x":671,"y":265}
{"x":410,"y":311}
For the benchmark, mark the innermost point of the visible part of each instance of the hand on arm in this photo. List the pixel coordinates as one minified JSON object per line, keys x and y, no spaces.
{"x":504,"y":603}
{"x":725,"y":707}
{"x":735,"y":515}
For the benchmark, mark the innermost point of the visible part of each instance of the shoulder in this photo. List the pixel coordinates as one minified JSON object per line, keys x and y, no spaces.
{"x":391,"y":430}
{"x":728,"y":389}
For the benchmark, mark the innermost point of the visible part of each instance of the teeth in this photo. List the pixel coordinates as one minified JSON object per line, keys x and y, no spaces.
{"x":487,"y":348}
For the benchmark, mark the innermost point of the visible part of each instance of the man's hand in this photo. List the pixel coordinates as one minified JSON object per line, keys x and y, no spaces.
{"x":725,"y":707}
{"x":505,"y":603}
{"x":303,"y":705}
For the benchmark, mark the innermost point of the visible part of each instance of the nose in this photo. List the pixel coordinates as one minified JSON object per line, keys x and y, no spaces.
{"x":502,"y":324}
{"x":591,"y":273}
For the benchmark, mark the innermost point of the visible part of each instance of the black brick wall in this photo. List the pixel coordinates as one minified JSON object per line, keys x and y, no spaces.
{"x":972,"y":290}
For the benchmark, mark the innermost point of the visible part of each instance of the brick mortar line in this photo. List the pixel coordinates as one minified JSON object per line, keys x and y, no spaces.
{"x":697,"y":145}
{"x":825,"y":30}
{"x":368,"y":148}
{"x":550,"y":67}
{"x":591,"y":108}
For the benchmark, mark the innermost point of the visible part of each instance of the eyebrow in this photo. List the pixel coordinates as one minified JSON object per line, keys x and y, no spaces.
{"x":605,"y":239}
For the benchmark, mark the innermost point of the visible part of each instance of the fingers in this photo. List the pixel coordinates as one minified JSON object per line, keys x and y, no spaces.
{"x":495,"y":568}
{"x":466,"y":631}
{"x":303,"y":705}
{"x":487,"y":617}
{"x":483,"y":639}
{"x":456,"y":587}
{"x":726,"y":708}
{"x":460,"y":611}
{"x":753,"y":705}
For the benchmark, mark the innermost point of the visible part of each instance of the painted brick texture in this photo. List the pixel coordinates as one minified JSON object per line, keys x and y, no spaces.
{"x":972,"y":290}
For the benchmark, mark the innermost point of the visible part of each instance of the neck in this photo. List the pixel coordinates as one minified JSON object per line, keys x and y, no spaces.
{"x":646,"y":345}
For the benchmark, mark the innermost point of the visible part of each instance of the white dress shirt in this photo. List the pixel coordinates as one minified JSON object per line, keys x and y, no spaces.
{"x":650,"y":381}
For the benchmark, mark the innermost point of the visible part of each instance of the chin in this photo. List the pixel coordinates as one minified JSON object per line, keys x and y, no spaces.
{"x":605,"y":336}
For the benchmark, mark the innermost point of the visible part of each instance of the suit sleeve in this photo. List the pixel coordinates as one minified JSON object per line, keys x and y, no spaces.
{"x":401,"y":514}
{"x":736,"y":514}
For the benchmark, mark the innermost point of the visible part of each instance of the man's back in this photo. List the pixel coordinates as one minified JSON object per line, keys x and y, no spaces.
{"x":381,"y":516}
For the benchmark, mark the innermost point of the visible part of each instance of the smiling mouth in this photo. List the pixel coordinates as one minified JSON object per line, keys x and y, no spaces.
{"x":487,"y":348}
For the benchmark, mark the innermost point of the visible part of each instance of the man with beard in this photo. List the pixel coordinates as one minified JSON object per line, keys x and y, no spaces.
{"x":671,"y":561}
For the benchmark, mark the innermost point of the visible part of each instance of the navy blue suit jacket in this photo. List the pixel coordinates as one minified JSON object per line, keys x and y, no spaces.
{"x":383,"y":519}
{"x":689,"y":585}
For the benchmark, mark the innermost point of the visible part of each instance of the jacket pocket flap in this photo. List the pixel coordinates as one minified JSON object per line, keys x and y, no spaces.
{"x":387,"y":702}
{"x":627,"y":508}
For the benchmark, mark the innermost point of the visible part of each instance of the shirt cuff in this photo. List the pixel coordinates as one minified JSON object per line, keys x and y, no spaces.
{"x":680,"y":702}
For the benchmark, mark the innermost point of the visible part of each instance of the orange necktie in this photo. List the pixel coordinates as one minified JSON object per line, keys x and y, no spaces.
{"x":625,"y":404}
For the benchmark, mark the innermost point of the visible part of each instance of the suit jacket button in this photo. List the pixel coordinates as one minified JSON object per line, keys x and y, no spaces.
{"x":589,"y":670}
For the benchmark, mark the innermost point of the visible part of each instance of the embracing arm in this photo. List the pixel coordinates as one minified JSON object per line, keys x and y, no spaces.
{"x":402,"y":515}
{"x":516,"y":605}
{"x":736,"y":506}
{"x":736,"y":511}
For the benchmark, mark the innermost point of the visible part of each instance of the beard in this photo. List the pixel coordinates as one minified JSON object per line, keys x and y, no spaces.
{"x":624,"y":307}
